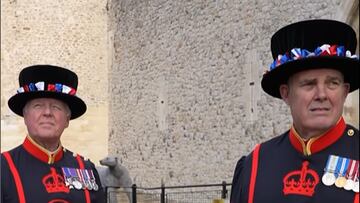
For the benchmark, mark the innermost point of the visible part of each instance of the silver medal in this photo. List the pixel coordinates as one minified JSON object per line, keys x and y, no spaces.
{"x":328,"y":179}
{"x":356,"y":186}
{"x":67,"y":182}
{"x":83,"y":185}
{"x":89,"y":185}
{"x":95,"y":186}
{"x":71,"y":182}
{"x":349,"y":184}
{"x":77,"y":185}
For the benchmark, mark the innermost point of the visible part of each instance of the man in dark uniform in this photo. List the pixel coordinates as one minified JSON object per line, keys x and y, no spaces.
{"x":41,"y":170}
{"x":317,"y":159}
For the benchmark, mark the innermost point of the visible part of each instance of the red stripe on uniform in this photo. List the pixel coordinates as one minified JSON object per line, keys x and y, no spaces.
{"x":86,"y":191}
{"x":254,"y":167}
{"x":15,"y":173}
{"x":356,"y":199}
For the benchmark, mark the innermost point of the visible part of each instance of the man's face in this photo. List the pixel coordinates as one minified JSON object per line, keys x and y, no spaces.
{"x":316,"y":99}
{"x":46,"y":119}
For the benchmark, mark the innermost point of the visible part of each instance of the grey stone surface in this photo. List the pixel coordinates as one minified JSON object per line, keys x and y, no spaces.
{"x":186,"y":100}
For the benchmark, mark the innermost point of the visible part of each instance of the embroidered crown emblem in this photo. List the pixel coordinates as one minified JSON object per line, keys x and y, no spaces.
{"x":301,"y":182}
{"x":54,"y":182}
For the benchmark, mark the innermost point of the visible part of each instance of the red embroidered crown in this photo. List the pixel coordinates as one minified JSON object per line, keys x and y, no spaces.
{"x":301,"y":182}
{"x":54,"y":182}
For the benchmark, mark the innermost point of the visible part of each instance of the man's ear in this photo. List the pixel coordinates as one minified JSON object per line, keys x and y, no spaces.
{"x":67,"y":124}
{"x":347,"y":89}
{"x":284,"y":92}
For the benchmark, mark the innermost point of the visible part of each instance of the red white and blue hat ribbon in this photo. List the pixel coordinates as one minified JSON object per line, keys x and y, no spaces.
{"x":40,"y":86}
{"x":324,"y":50}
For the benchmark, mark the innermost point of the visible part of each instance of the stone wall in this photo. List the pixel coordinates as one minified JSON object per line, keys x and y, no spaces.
{"x":65,"y":33}
{"x":349,"y":13}
{"x":185,"y":98}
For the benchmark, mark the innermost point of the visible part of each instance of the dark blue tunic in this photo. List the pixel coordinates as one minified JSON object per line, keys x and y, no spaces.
{"x":285,"y":154}
{"x":36,"y":169}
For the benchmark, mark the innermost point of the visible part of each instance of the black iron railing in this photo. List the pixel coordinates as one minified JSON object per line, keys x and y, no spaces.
{"x":168,"y":194}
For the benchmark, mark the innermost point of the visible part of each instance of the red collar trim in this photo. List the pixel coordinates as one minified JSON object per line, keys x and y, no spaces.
{"x":318,"y":143}
{"x":40,"y":153}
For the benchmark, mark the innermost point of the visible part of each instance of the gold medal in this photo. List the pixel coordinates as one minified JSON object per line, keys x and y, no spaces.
{"x":340,"y":182}
{"x":341,"y":171}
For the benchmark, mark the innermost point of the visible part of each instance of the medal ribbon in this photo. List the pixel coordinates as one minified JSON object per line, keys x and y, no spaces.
{"x":343,"y":166}
{"x":65,"y":172}
{"x":81,"y":178}
{"x":73,"y":172}
{"x":86,"y":177}
{"x":87,"y":174}
{"x":67,"y":176}
{"x":350,"y":170}
{"x":331,"y":163}
{"x":338,"y":166}
{"x":356,"y":176}
{"x":92,"y":175}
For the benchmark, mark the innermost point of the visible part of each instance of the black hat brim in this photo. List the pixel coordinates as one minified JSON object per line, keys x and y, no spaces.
{"x":76,"y":105}
{"x":349,"y":67}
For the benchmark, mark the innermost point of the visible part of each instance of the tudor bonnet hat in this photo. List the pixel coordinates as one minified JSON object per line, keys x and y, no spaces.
{"x":47,"y":81}
{"x":308,"y":45}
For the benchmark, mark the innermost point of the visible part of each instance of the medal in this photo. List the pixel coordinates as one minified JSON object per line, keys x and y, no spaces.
{"x":341,"y":180}
{"x":350,"y":174}
{"x":93,"y":181}
{"x":349,"y":184}
{"x":329,"y":177}
{"x":75,"y":179}
{"x":356,"y":186}
{"x":77,"y":185}
{"x":87,"y":179}
{"x":67,"y":177}
{"x":356,"y":182}
{"x":81,"y":178}
{"x":96,"y":187}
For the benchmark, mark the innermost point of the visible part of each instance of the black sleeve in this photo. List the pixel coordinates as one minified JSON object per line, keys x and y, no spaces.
{"x":237,"y":180}
{"x":2,"y":176}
